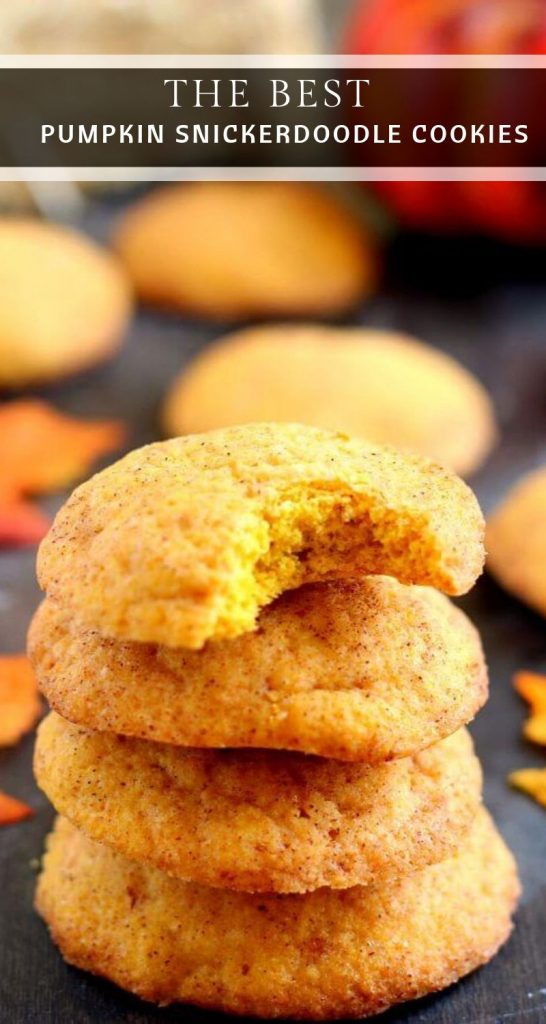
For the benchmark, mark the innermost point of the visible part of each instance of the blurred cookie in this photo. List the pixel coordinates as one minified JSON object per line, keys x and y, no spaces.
{"x":260,"y":821}
{"x":359,"y":671}
{"x":379,"y":385}
{"x":324,"y":955}
{"x":516,"y":540}
{"x":164,"y":26}
{"x":186,"y":540}
{"x":238,"y":250}
{"x":65,"y":302}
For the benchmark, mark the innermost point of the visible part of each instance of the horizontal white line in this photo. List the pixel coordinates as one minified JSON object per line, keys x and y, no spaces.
{"x":305,"y":60}
{"x":145,"y":174}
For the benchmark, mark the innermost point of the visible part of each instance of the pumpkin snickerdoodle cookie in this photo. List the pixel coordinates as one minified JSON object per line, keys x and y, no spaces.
{"x":322,"y":955}
{"x":237,"y":250}
{"x":65,"y":302}
{"x":516,"y":540}
{"x":359,"y":670}
{"x":186,"y":540}
{"x":383,"y":386}
{"x":261,"y":821}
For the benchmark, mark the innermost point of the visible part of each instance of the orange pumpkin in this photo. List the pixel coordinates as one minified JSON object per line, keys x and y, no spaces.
{"x":513,"y":210}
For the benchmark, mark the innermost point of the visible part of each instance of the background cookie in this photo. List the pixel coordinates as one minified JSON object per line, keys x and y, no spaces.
{"x":379,"y":385}
{"x":233,"y":250}
{"x":186,"y":540}
{"x":65,"y":302}
{"x":327,"y":954}
{"x":261,"y":821}
{"x":365,"y":671}
{"x":516,"y":540}
{"x":165,"y":26}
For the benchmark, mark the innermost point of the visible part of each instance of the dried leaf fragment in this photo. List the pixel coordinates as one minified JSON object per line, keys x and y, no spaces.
{"x":20,"y":705}
{"x":43,"y":450}
{"x":21,"y":522}
{"x":532,"y":687}
{"x":531,"y":781}
{"x":12,"y":810}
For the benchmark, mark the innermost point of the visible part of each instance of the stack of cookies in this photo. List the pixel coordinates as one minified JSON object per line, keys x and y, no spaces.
{"x":270,"y":805}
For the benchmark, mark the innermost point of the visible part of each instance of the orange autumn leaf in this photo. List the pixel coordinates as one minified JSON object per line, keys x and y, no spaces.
{"x":12,"y":810}
{"x":44,"y":450}
{"x":19,"y":701}
{"x":531,"y":781}
{"x":532,"y":687}
{"x":21,"y":522}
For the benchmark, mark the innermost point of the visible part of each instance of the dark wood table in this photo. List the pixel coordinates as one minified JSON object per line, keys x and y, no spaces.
{"x":486,"y":304}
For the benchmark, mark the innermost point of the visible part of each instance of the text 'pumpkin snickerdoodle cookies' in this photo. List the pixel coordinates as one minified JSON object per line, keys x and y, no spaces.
{"x":516,"y":540}
{"x":382,"y":386}
{"x":363,"y":670}
{"x":261,"y":821}
{"x":65,"y":302}
{"x":237,"y":250}
{"x":186,"y":540}
{"x":323,"y":955}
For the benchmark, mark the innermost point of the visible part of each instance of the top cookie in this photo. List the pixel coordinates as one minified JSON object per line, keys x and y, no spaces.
{"x":185,"y":540}
{"x":65,"y":302}
{"x":234,"y":250}
{"x":382,"y":386}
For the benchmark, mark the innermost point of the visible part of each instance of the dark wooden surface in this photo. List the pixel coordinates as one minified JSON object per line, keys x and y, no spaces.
{"x":487,"y":305}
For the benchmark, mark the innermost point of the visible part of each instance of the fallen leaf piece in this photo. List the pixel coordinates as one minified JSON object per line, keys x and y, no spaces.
{"x":21,"y":522}
{"x":43,"y":450}
{"x":12,"y":810}
{"x":20,"y":706}
{"x":532,"y":687}
{"x":531,"y":781}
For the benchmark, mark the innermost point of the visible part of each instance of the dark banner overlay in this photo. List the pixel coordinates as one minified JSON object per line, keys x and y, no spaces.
{"x":307,"y":117}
